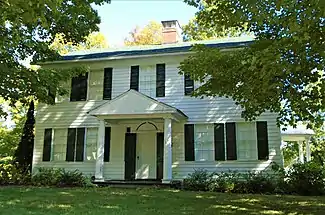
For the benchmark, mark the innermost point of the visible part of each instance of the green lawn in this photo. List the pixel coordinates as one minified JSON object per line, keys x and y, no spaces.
{"x":102,"y":201}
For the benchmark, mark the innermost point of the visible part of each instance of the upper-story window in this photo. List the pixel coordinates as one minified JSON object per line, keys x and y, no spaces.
{"x":79,"y":87}
{"x":107,"y":86}
{"x":147,"y":81}
{"x":160,"y":80}
{"x":134,"y":79}
{"x":188,"y":85}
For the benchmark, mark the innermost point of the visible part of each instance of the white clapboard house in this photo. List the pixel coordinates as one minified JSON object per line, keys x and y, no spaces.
{"x":132,"y":117}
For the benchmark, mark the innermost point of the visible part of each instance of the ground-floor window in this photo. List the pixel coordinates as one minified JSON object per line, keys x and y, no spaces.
{"x":75,"y":144}
{"x":203,"y":142}
{"x":226,"y":141}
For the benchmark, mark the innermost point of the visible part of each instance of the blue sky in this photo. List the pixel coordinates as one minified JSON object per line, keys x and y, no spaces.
{"x":121,"y":16}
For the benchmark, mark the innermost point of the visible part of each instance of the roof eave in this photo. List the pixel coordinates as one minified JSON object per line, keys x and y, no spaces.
{"x":113,"y":58}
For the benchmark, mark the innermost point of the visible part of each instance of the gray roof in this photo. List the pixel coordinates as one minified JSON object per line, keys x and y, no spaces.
{"x":236,"y":42}
{"x":299,"y":130}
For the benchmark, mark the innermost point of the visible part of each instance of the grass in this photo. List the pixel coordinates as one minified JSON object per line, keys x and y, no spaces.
{"x":54,"y":201}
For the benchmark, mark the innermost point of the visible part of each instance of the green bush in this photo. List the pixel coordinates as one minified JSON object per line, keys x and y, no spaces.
{"x":71,"y":179}
{"x":256,"y":182}
{"x":46,"y":177}
{"x":11,"y":175}
{"x":224,"y":182}
{"x":306,"y":179}
{"x":59,"y":177}
{"x":302,"y":179}
{"x":199,"y":180}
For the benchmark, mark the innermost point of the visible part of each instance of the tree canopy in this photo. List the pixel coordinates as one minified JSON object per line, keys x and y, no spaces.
{"x":151,"y":34}
{"x":193,"y":31}
{"x":27,"y":29}
{"x":281,"y":71}
{"x":93,"y":40}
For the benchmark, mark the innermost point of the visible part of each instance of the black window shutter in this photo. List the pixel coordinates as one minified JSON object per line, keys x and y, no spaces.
{"x":189,"y":142}
{"x":188,"y":85}
{"x":231,"y":141}
{"x":83,"y":87}
{"x":80,"y":145}
{"x":262,"y":140}
{"x":74,"y":89}
{"x":79,"y":87}
{"x":52,"y":95}
{"x":219,"y":142}
{"x":107,"y":144}
{"x":71,"y":144}
{"x":160,"y":80}
{"x":47,"y":144}
{"x":134,"y":80}
{"x":107,"y":91}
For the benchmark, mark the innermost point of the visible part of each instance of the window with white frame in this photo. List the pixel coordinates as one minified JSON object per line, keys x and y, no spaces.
{"x":204,"y":142}
{"x":59,"y":144}
{"x":147,"y":81}
{"x":246,"y":141}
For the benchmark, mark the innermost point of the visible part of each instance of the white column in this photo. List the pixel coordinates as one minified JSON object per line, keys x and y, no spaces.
{"x":100,"y":151}
{"x":167,"y":177}
{"x":308,"y":156}
{"x":301,"y":151}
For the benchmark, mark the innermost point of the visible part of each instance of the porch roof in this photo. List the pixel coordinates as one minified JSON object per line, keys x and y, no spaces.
{"x":135,"y":104}
{"x":301,"y":132}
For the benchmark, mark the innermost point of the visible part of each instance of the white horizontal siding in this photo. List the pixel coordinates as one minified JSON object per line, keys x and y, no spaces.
{"x":73,"y":114}
{"x":182,"y":168}
{"x":114,"y":169}
{"x":208,"y":110}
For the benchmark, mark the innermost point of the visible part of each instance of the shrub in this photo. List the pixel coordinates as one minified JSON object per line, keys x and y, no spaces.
{"x":176,"y":184}
{"x":71,"y":179}
{"x":303,"y":179}
{"x":59,"y":177}
{"x":224,"y":182}
{"x":256,"y":182}
{"x":306,"y":179}
{"x":46,"y":177}
{"x":199,"y":180}
{"x":10,"y":174}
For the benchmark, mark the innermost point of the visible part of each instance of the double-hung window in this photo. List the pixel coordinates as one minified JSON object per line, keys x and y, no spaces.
{"x":75,"y":144}
{"x":79,"y":87}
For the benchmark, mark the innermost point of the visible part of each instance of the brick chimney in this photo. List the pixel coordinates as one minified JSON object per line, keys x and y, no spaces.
{"x":171,"y":32}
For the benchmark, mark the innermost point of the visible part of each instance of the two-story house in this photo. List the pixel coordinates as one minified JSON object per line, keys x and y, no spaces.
{"x":132,"y":117}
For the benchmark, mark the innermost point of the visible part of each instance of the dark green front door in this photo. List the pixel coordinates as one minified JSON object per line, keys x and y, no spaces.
{"x":129,"y":156}
{"x":160,"y":155}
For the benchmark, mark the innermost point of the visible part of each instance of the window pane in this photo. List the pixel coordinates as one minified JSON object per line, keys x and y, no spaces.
{"x":246,"y":141}
{"x":59,"y":144}
{"x":204,"y":142}
{"x":147,"y":83}
{"x":79,"y":87}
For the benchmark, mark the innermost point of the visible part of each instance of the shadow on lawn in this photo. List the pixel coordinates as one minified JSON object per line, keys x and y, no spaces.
{"x":149,"y":201}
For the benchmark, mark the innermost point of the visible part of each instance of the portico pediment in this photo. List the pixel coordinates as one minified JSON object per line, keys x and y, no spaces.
{"x":133,"y":102}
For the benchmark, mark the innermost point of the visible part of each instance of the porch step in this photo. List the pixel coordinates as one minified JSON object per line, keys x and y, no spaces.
{"x":132,"y":184}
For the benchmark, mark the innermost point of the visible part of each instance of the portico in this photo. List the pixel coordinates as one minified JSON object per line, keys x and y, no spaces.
{"x":148,"y":113}
{"x":302,"y":136}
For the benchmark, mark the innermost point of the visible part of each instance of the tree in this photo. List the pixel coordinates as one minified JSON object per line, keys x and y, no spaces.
{"x":318,"y":145}
{"x":27,"y":29}
{"x":281,"y":71}
{"x":24,"y":152}
{"x":93,"y":40}
{"x":151,"y":34}
{"x":11,"y":127}
{"x":193,"y":31}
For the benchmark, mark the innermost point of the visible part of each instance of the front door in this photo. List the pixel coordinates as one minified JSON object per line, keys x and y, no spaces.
{"x":160,"y":155}
{"x":129,"y":156}
{"x":146,"y":156}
